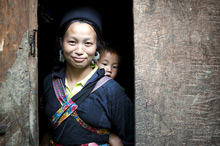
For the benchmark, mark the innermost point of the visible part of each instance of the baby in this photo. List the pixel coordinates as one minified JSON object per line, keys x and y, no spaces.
{"x":109,"y":60}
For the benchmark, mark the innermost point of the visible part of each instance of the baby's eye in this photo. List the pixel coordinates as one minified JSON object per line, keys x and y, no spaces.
{"x":115,"y":66}
{"x":105,"y":64}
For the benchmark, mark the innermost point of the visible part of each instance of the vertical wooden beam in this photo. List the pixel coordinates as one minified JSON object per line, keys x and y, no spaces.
{"x":33,"y":70}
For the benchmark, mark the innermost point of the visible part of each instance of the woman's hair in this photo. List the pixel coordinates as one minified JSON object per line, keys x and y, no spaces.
{"x":62,"y":30}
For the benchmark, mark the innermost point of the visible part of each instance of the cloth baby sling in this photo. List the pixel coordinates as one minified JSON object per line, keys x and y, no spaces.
{"x":68,"y":107}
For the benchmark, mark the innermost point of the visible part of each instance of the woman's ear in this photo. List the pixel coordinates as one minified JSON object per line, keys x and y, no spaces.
{"x":61,"y":41}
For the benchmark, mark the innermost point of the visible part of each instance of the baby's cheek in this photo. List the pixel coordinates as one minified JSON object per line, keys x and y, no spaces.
{"x":101,"y":66}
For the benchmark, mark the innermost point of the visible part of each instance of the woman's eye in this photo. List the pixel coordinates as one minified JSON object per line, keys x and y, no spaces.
{"x":72,"y":42}
{"x":88,"y":44}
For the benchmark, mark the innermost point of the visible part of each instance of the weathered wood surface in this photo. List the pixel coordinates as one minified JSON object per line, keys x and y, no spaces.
{"x":177,"y":72}
{"x":14,"y":20}
{"x":17,"y":88}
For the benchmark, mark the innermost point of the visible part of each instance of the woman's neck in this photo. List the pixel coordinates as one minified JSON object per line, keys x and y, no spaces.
{"x":75,"y":75}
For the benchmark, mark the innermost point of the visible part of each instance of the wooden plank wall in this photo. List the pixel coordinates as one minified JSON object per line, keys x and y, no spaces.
{"x":18,"y":98}
{"x":177,"y":69}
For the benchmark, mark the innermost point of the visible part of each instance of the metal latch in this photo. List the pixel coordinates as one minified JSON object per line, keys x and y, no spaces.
{"x":32,"y":42}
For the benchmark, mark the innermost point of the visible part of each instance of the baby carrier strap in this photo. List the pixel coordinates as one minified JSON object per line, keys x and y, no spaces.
{"x":101,"y":82}
{"x":68,"y":107}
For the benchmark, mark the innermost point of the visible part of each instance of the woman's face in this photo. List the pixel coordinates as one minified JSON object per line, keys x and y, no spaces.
{"x":79,"y":45}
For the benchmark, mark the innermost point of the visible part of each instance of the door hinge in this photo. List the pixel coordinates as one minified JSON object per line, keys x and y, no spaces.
{"x":32,"y":42}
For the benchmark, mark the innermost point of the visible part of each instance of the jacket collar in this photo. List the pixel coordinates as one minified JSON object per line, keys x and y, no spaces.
{"x":60,"y":73}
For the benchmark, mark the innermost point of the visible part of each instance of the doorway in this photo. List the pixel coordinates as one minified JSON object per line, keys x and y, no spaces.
{"x":117,"y":21}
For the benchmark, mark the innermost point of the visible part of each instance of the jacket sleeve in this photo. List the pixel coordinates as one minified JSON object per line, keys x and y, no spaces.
{"x":122,"y":113}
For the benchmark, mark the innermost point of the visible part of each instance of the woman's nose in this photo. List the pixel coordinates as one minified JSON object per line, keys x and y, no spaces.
{"x":79,"y":49}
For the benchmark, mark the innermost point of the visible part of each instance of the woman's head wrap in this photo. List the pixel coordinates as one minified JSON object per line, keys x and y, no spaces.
{"x":86,"y":13}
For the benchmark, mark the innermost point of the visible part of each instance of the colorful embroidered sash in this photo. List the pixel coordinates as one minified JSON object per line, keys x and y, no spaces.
{"x":100,"y":131}
{"x":52,"y":143}
{"x":68,"y":107}
{"x":64,"y":112}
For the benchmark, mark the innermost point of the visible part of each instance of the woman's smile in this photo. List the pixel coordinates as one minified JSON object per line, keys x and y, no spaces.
{"x":78,"y":59}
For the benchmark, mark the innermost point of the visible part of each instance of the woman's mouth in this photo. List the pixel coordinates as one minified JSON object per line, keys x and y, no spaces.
{"x":78,"y":59}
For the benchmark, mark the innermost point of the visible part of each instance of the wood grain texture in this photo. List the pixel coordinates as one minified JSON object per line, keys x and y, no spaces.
{"x":177,"y":68}
{"x":18,"y":73}
{"x":14,"y":20}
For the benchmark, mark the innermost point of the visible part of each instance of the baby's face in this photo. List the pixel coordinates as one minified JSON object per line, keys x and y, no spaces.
{"x":109,"y":61}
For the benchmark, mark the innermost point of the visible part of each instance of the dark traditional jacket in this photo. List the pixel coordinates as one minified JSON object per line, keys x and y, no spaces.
{"x":108,"y":107}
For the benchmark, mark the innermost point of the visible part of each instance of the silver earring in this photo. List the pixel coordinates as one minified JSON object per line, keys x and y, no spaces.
{"x":61,"y":57}
{"x":96,"y":57}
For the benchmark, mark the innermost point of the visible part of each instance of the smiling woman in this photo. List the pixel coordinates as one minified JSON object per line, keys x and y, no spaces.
{"x":82,"y":105}
{"x":117,"y":29}
{"x":116,"y":25}
{"x":79,"y":46}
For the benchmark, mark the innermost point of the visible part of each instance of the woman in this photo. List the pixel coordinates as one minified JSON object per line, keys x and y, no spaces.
{"x":82,"y":111}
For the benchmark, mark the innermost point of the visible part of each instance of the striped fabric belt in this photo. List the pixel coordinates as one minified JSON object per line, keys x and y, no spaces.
{"x":52,"y":143}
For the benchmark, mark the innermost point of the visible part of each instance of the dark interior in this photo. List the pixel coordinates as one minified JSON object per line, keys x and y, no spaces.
{"x":117,"y":21}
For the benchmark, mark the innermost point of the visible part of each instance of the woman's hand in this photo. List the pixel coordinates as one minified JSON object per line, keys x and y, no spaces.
{"x":114,"y":140}
{"x":46,"y":139}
